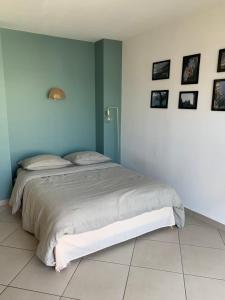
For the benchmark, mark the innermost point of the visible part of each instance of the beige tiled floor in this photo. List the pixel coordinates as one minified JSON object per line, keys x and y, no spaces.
{"x":96,"y":280}
{"x":20,"y":239}
{"x":167,"y":264}
{"x":157,"y":255}
{"x":6,"y":229}
{"x":166,"y":235}
{"x":46,"y":280}
{"x":201,"y":236}
{"x":120,"y":254}
{"x":222,"y":233}
{"x":146,"y":284}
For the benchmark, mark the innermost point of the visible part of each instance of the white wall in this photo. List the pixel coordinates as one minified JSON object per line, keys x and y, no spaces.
{"x":185,"y":148}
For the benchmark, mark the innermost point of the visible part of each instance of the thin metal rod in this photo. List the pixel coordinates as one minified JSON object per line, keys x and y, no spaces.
{"x":118,"y":126}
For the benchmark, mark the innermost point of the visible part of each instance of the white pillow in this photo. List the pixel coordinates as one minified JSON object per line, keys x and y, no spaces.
{"x":86,"y":158}
{"x":42,"y":162}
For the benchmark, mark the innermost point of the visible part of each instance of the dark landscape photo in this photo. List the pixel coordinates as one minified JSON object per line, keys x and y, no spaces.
{"x":161,"y":70}
{"x":221,"y":61}
{"x":190,"y":69}
{"x":218,"y":101}
{"x":159,"y":99}
{"x":188,"y":100}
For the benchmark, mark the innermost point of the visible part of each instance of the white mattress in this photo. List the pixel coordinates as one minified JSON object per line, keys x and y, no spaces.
{"x":71,"y":247}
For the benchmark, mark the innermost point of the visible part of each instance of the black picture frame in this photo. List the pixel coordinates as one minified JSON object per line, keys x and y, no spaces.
{"x":221,"y":61}
{"x":161,"y":70}
{"x":159,"y":99}
{"x":190,"y":69}
{"x":218,"y":97}
{"x":189,"y":100}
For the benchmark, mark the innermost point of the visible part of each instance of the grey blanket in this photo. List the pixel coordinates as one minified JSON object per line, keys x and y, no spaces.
{"x":78,"y":199}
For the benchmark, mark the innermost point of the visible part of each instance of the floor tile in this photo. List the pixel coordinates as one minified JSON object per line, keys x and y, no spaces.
{"x":11,"y":262}
{"x":96,"y":280}
{"x":198,"y":288}
{"x":65,"y":298}
{"x":194,"y":220}
{"x":2,"y":287}
{"x":204,"y":262}
{"x":6,"y":229}
{"x":164,"y":235}
{"x":201,"y":236}
{"x":120,"y":253}
{"x":222,"y":233}
{"x":157,"y":255}
{"x":38,"y":277}
{"x":6,"y":216}
{"x":146,"y":284}
{"x":17,"y":294}
{"x":21,"y":239}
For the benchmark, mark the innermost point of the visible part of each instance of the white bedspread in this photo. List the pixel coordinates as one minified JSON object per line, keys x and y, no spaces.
{"x":71,"y":247}
{"x":75,"y":199}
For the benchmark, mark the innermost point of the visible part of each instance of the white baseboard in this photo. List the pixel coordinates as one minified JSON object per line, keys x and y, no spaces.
{"x":4,"y":202}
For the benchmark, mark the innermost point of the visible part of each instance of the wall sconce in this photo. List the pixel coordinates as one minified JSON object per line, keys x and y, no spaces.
{"x":56,"y":94}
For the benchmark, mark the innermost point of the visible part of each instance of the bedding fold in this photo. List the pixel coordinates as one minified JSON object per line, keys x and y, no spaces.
{"x":76,"y":199}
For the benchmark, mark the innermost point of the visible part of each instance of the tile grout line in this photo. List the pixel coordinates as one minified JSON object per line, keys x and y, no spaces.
{"x":198,"y":246}
{"x":154,"y":269}
{"x":35,"y":291}
{"x":108,"y":262}
{"x":201,"y":225}
{"x":129,"y":269}
{"x":62,"y":295}
{"x":184,"y":244}
{"x":162,"y":270}
{"x":163,"y":242}
{"x":221,"y":236}
{"x":68,"y":298}
{"x":205,"y":220}
{"x":5,"y":287}
{"x":152,"y":240}
{"x":135,"y":266}
{"x":21,"y":270}
{"x":181,"y":258}
{"x":11,"y":247}
{"x":201,"y":276}
{"x":9,"y":234}
{"x":45,"y":293}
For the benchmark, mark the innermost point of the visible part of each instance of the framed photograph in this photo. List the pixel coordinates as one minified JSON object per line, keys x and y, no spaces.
{"x":190,"y":69}
{"x":188,"y":100}
{"x":161,"y":70}
{"x":159,"y":99}
{"x":218,"y":100}
{"x":221,"y":61}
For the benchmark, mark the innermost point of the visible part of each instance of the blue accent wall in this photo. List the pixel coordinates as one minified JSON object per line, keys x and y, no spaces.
{"x":5,"y":164}
{"x":30,"y":123}
{"x":112,"y":95}
{"x":34,"y":63}
{"x":99,"y":95}
{"x":108,"y":72}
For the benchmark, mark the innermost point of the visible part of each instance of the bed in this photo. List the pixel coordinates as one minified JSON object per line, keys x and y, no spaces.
{"x":77,"y":210}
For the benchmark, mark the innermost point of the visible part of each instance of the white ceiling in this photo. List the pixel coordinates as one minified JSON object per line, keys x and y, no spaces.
{"x":92,"y":20}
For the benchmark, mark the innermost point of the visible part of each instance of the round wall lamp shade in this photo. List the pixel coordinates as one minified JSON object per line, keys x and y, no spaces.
{"x":56,"y":94}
